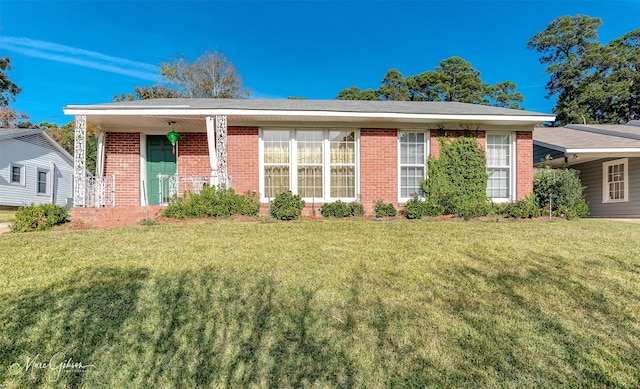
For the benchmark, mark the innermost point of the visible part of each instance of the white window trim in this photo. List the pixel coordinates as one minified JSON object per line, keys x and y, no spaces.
{"x":605,"y":180}
{"x":512,"y":167}
{"x":47,"y":191}
{"x":22,"y":174}
{"x":326,"y":164}
{"x":427,"y":139}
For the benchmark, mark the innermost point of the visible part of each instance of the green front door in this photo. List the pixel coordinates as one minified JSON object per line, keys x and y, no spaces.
{"x":160,"y":160}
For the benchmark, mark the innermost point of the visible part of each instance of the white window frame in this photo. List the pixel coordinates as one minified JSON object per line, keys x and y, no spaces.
{"x":605,"y":180}
{"x":21,"y":182}
{"x":47,"y":182}
{"x":512,"y":166}
{"x":427,"y":135}
{"x":326,"y":164}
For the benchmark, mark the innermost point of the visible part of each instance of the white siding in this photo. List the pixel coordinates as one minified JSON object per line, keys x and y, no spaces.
{"x":33,"y":152}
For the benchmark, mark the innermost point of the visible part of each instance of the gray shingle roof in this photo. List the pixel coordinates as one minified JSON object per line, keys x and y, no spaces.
{"x":10,"y":133}
{"x":402,"y":107}
{"x":600,"y":136}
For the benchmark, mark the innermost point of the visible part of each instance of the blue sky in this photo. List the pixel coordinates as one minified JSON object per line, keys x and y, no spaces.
{"x":84,"y":52}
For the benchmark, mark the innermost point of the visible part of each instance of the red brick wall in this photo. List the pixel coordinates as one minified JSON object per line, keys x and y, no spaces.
{"x":122,"y":158}
{"x":524,"y":164}
{"x":378,"y":167}
{"x":434,"y":146}
{"x":193,"y":158}
{"x":242,"y":158}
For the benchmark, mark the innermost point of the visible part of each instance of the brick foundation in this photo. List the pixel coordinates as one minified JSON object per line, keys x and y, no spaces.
{"x":111,"y":217}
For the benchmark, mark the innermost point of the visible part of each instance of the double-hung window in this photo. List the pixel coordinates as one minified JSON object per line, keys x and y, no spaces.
{"x":276,"y":146}
{"x":42,"y":181}
{"x":413,"y":159}
{"x":615,"y":181}
{"x":315,"y":164}
{"x":16,"y":174}
{"x":499,"y":167}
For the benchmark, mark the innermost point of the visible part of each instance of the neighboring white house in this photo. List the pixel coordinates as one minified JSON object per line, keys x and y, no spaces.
{"x":34,"y":168}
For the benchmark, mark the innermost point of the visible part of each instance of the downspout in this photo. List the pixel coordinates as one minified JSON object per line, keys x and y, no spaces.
{"x":213,"y":158}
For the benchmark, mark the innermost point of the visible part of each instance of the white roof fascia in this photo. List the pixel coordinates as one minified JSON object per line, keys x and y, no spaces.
{"x":600,"y":151}
{"x":328,"y":114}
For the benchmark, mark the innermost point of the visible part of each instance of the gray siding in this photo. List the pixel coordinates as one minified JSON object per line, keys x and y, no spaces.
{"x":33,"y":153}
{"x":591,"y":177}
{"x":540,"y":153}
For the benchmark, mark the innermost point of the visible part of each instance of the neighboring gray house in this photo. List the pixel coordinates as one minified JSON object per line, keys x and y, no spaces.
{"x":608,"y":158}
{"x":34,"y":168}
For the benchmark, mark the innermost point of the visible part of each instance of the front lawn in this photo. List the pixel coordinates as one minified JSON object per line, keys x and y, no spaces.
{"x":6,"y":216}
{"x":326,"y":303}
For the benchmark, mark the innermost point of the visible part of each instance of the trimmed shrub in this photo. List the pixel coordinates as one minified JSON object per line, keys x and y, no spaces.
{"x":457,"y":181}
{"x":526,"y":208}
{"x":287,"y":206}
{"x":382,"y":210}
{"x":39,"y":217}
{"x":340,"y":209}
{"x":416,"y":208}
{"x":565,"y":190}
{"x":357,"y":209}
{"x":213,"y":202}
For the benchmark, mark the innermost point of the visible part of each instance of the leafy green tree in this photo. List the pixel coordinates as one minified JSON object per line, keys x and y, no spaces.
{"x":504,"y":94}
{"x":8,"y":89}
{"x":565,"y":44}
{"x":592,"y":83}
{"x":453,"y":80}
{"x":354,"y":93}
{"x":394,"y":87}
{"x":64,"y":136}
{"x":9,"y":117}
{"x":210,"y":75}
{"x":623,"y":60}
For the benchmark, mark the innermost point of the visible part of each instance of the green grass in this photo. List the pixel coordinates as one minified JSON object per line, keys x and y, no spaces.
{"x":6,"y":216}
{"x":327,"y":303}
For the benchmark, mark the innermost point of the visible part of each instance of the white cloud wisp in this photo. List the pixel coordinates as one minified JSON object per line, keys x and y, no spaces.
{"x":80,"y":57}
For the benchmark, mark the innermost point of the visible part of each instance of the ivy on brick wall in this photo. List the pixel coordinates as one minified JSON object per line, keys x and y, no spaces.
{"x":457,"y":179}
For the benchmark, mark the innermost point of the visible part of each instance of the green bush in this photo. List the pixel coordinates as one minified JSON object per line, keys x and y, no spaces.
{"x":287,"y":206}
{"x":526,"y":208}
{"x":416,"y":208}
{"x":39,"y":217}
{"x":356,"y":209}
{"x":341,"y":209}
{"x":457,"y":181}
{"x":213,"y":202}
{"x":382,"y":210}
{"x":565,"y":190}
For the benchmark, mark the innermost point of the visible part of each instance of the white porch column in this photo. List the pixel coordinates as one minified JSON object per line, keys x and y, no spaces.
{"x":213,"y":156}
{"x":221,"y":148}
{"x":79,"y":161}
{"x":100,"y":155}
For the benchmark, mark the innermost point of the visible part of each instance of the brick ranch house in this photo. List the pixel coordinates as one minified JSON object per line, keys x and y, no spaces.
{"x":322,"y":150}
